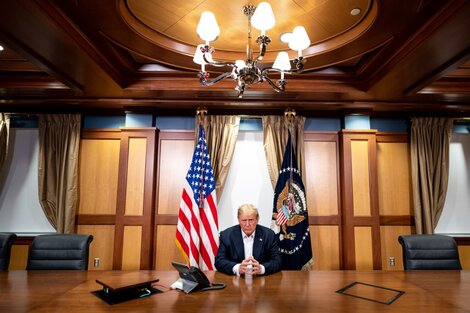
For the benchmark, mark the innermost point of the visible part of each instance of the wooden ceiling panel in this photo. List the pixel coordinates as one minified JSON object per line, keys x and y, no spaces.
{"x":161,"y":15}
{"x":232,"y":29}
{"x":10,"y":61}
{"x":402,"y":56}
{"x":336,"y":16}
{"x":178,"y":19}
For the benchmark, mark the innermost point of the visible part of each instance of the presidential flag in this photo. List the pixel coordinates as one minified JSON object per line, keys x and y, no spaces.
{"x":290,"y":216}
{"x":197,"y":233}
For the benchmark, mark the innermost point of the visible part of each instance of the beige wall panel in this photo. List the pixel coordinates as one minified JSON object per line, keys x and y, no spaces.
{"x":19,"y":257}
{"x":99,"y":167}
{"x":394,"y":178}
{"x":131,"y":246}
{"x":464,"y":254}
{"x":363,"y":247}
{"x":101,"y":247}
{"x":167,"y":251}
{"x":322,"y":178}
{"x":390,"y":246}
{"x":175,"y":158}
{"x":360,"y":177}
{"x":136,"y":176}
{"x":325,"y":247}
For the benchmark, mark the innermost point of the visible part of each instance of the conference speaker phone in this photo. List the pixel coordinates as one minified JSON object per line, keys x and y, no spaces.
{"x":193,"y":279}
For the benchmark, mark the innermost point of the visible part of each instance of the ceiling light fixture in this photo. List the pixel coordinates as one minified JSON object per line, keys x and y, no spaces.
{"x":355,"y":11}
{"x":248,"y":72}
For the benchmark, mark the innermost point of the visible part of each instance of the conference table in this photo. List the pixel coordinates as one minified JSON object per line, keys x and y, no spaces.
{"x":286,"y":291}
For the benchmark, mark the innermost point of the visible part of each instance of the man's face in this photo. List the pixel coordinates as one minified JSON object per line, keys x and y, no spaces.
{"x":248,"y":223}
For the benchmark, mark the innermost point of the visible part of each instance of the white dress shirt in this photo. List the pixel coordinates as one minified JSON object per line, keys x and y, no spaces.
{"x":248,"y":249}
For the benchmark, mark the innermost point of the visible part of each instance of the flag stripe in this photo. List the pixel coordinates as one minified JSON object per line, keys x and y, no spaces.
{"x":209,"y":227}
{"x":183,"y":226}
{"x":281,"y":218}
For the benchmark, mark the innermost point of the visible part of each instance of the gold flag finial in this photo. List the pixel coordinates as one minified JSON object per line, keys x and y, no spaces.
{"x":201,"y":111}
{"x":289,"y":112}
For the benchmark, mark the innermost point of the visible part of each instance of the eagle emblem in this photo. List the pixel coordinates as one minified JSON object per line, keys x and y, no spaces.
{"x":291,"y":209}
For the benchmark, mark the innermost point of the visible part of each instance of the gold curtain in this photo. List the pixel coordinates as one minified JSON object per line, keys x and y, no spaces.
{"x":221,"y":135}
{"x":275,"y":133}
{"x":4,"y":137}
{"x":430,"y":140}
{"x":59,"y":140}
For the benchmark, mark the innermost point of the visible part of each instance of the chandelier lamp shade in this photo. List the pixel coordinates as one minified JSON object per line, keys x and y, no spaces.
{"x":250,"y":71}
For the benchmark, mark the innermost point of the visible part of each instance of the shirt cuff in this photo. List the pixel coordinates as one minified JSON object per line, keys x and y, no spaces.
{"x":236,"y":269}
{"x":262,"y":269}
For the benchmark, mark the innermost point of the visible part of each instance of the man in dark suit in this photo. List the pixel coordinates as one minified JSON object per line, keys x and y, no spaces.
{"x":248,"y":248}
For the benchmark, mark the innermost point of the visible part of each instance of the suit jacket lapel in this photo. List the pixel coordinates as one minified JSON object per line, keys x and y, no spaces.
{"x":238,"y":243}
{"x":258,"y":244}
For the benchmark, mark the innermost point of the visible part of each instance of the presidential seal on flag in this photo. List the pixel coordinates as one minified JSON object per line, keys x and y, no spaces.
{"x":291,"y":207}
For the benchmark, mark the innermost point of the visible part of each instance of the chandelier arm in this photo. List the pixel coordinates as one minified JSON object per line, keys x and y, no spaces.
{"x":265,"y":70}
{"x":205,"y":82}
{"x":262,"y":52}
{"x":278,"y":88}
{"x":216,"y":63}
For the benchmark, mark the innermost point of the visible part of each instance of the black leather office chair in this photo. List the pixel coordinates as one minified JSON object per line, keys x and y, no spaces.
{"x":59,"y":252}
{"x":6,"y":241}
{"x":429,"y":252}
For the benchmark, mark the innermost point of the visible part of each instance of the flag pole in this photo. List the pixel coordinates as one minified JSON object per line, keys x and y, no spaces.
{"x":201,"y":112}
{"x":290,"y":113}
{"x":201,"y":185}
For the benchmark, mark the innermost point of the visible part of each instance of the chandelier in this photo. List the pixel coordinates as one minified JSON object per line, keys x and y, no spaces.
{"x":249,"y":71}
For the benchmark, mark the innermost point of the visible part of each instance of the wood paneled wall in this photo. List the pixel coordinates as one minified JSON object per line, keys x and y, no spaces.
{"x":357,"y":183}
{"x":175,"y":153}
{"x":395,"y":198}
{"x":355,"y":210}
{"x":361,"y":228}
{"x":117,"y":184}
{"x":377,"y":204}
{"x":322,"y":190}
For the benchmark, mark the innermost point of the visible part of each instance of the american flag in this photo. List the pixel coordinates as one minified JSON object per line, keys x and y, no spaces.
{"x":197,"y":233}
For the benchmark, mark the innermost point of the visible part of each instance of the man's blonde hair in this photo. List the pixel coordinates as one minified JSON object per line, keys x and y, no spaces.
{"x":247,"y":209}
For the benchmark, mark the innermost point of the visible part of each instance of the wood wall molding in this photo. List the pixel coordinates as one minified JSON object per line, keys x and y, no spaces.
{"x":397,"y":220}
{"x":95,"y":219}
{"x":392,"y":137}
{"x":325,"y":220}
{"x":166,"y":219}
{"x":462,"y":241}
{"x":101,"y":133}
{"x":24,"y":240}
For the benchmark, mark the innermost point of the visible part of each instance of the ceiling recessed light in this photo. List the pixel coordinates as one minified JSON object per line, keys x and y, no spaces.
{"x":355,"y":11}
{"x":1,"y":48}
{"x":285,"y":37}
